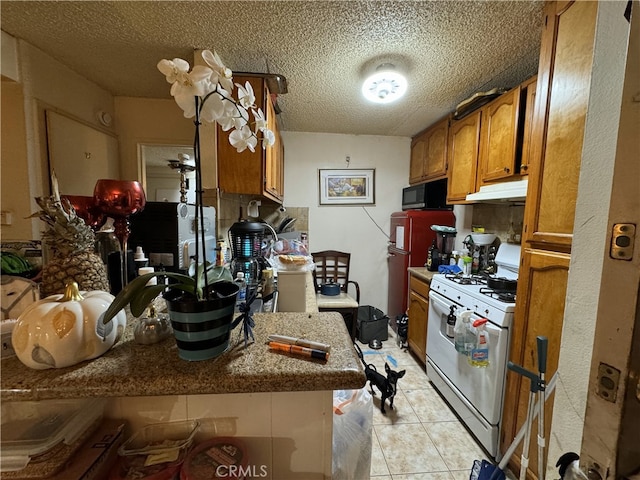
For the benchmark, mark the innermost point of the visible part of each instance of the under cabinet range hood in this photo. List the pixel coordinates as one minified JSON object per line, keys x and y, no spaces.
{"x":501,"y":192}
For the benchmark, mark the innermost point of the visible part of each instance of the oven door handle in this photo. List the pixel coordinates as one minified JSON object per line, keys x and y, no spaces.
{"x":440,"y":305}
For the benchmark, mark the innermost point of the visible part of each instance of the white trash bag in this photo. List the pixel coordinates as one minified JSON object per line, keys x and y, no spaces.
{"x":352,"y":430}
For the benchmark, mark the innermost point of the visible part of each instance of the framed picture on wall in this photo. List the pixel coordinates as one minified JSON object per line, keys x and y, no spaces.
{"x":347,"y":187}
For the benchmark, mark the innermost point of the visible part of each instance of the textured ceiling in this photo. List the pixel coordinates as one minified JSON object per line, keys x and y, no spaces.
{"x":448,"y":49}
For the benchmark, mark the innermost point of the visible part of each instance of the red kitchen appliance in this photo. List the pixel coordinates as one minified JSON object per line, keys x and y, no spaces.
{"x":410,"y":238}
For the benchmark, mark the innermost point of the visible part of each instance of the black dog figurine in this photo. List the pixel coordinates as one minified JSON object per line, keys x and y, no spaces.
{"x":387,"y":385}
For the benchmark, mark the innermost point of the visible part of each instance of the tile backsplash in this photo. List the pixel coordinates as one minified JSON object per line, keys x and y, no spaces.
{"x":498,"y":219}
{"x":230,"y":208}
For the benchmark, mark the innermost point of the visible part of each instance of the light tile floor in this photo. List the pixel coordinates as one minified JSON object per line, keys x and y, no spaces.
{"x":420,"y":439}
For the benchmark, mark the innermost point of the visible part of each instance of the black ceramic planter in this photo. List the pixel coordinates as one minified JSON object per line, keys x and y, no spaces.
{"x":202,"y":328}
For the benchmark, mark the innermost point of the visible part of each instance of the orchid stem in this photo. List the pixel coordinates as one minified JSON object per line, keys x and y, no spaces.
{"x":200,"y":234}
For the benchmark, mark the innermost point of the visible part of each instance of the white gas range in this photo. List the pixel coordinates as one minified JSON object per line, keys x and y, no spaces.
{"x":475,"y":394}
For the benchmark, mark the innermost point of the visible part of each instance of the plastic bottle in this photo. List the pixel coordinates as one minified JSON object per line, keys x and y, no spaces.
{"x":479,"y":355}
{"x":433,"y":258}
{"x":475,"y":263}
{"x":429,"y":263}
{"x":242,"y":293}
{"x":268,"y":288}
{"x":140,"y":259}
{"x":460,"y":332}
{"x":453,"y":260}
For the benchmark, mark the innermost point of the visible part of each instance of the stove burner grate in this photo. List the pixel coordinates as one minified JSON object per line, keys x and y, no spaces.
{"x":466,"y":279}
{"x":506,"y":297}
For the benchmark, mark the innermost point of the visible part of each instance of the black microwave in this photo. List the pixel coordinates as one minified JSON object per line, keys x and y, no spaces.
{"x":426,"y":196}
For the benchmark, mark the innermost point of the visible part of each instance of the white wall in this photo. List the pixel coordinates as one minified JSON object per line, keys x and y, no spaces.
{"x":349,"y":228}
{"x":46,"y":83}
{"x":13,"y":170}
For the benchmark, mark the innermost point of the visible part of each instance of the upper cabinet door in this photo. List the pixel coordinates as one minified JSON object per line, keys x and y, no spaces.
{"x":429,"y":153}
{"x":274,"y":156}
{"x":253,"y":173}
{"x":416,"y":165}
{"x":436,"y":150}
{"x":464,"y":137}
{"x":529,"y":88}
{"x":562,"y":96}
{"x":499,"y":138}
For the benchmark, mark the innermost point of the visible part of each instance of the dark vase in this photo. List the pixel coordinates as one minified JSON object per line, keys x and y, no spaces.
{"x":202,"y":328}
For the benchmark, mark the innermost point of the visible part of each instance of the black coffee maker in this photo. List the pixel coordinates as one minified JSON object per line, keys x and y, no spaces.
{"x":445,"y":242}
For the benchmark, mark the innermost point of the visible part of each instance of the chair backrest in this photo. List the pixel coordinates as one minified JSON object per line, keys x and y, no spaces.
{"x":331,"y":265}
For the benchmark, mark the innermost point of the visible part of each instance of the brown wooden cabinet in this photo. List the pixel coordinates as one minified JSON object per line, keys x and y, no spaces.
{"x":274,"y":161}
{"x":258,"y":173}
{"x":464,"y":141}
{"x":499,"y":138}
{"x":429,"y":153}
{"x":542,"y":286}
{"x":418,"y":315}
{"x":486,"y":146}
{"x":557,"y":133}
{"x":529,"y":88}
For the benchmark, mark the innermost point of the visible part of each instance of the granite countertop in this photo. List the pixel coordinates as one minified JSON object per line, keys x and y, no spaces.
{"x":422,"y":273}
{"x":129,"y":369}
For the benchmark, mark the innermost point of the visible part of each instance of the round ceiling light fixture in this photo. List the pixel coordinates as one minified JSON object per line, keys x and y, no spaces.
{"x":386,"y":85}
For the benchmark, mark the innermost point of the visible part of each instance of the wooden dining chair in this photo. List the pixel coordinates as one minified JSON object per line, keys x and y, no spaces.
{"x":333,"y":266}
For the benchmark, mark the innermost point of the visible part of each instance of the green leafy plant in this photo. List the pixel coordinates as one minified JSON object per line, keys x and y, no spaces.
{"x":138,"y":295}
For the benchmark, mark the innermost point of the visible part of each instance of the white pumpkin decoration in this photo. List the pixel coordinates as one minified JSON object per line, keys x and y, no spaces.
{"x":63,"y":330}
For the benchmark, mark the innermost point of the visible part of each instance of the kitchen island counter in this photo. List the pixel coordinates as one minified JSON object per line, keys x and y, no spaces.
{"x":129,"y":369}
{"x":280,"y":405}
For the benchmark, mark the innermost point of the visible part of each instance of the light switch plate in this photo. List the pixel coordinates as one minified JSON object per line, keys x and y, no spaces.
{"x":6,"y":217}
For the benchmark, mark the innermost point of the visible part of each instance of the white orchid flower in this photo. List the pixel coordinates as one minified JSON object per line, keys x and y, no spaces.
{"x":246,"y":96}
{"x":185,"y":85}
{"x":268,"y":138}
{"x":187,"y":103}
{"x":220,"y":74}
{"x":231,"y":116}
{"x":174,"y":69}
{"x":261,"y":121}
{"x":243,"y":138}
{"x":193,"y":83}
{"x":212,"y":86}
{"x":213,"y":108}
{"x":226,"y":123}
{"x":242,"y":117}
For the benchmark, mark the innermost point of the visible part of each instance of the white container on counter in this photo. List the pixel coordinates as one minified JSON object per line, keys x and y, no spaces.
{"x":292,"y":291}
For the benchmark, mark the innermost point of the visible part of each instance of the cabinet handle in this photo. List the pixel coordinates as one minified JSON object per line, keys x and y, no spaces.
{"x":507,"y":169}
{"x":524,"y":167}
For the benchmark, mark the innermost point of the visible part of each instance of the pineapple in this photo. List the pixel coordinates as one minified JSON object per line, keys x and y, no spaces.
{"x":71,"y":247}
